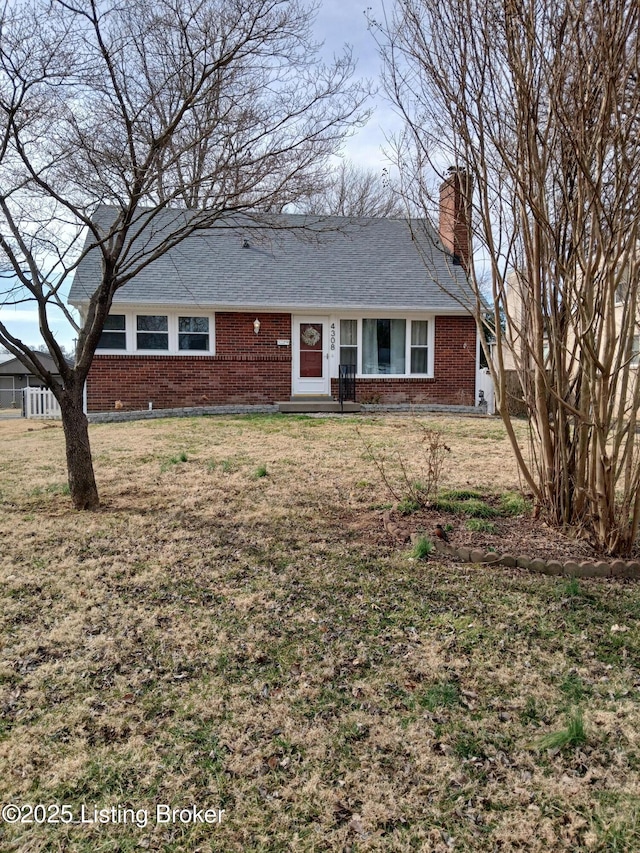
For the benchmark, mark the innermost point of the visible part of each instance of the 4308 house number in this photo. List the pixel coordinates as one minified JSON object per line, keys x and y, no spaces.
{"x":332,"y":337}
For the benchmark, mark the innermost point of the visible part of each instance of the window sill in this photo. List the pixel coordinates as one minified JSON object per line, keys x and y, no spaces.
{"x":394,"y":376}
{"x":161,"y":352}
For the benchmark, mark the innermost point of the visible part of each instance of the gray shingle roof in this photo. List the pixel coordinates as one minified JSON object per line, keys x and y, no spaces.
{"x":11,"y":366}
{"x":339,"y":263}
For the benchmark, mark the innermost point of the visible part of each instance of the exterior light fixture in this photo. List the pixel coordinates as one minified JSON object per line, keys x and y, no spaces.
{"x":256,"y":325}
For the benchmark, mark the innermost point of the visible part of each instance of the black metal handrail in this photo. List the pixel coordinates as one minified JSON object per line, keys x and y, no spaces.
{"x":346,"y":383}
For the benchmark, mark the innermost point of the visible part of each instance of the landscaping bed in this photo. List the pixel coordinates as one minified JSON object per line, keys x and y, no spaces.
{"x":502,"y":522}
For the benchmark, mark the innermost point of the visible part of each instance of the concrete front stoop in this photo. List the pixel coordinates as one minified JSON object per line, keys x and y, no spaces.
{"x":319,"y":404}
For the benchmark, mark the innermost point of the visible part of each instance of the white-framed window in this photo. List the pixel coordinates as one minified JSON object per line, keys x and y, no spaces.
{"x":384,"y":346}
{"x":622,"y":290}
{"x":152,"y":332}
{"x":193,"y":334}
{"x":349,"y":342}
{"x":419,"y":346}
{"x":635,"y":351}
{"x":163,"y":333}
{"x":114,"y":333}
{"x":387,"y":346}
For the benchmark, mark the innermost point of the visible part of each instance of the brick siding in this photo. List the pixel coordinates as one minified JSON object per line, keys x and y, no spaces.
{"x":455,"y":216}
{"x":253,"y":369}
{"x":246,"y":369}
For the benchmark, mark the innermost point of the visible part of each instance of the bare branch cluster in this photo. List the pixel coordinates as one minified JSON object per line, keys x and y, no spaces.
{"x":206,"y":106}
{"x":411,"y":479}
{"x":354,"y":191}
{"x":538,"y":102}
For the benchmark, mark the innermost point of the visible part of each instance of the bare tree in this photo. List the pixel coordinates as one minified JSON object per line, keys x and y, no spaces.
{"x":536,"y":103}
{"x":217,"y":106}
{"x":353,"y":191}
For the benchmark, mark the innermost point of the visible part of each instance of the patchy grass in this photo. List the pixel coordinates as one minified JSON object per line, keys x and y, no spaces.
{"x":256,"y":645}
{"x":479,"y":506}
{"x":513,"y":503}
{"x":473,"y":507}
{"x":174,"y":460}
{"x":461,"y":494}
{"x":50,"y":489}
{"x":441,"y":695}
{"x":407,"y":506}
{"x":572,"y":736}
{"x":423,"y":548}
{"x":479,"y":525}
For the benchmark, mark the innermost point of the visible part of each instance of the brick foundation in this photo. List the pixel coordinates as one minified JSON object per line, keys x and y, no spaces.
{"x":253,"y":369}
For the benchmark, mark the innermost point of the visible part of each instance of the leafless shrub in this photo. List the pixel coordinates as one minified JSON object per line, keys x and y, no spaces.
{"x":411,"y":478}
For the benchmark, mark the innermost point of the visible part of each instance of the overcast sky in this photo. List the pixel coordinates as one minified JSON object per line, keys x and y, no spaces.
{"x":339,"y":22}
{"x":343,"y":22}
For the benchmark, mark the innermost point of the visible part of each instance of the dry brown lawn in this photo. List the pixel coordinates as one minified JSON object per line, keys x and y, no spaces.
{"x":233,"y":630}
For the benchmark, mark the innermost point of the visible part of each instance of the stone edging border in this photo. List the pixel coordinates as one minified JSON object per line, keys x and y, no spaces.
{"x":186,"y":412}
{"x":568,"y":568}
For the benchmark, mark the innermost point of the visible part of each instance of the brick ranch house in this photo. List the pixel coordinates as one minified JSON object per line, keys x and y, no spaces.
{"x":241,"y":313}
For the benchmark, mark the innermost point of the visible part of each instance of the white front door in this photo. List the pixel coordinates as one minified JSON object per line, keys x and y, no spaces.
{"x":311,"y":356}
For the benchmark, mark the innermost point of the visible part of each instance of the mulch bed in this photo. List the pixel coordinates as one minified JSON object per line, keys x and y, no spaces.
{"x":517,"y":535}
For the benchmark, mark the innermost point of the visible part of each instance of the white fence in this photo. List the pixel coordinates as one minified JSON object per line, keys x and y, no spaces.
{"x":40,"y":403}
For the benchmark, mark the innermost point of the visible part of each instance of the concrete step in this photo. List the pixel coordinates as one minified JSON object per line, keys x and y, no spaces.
{"x":316,"y":405}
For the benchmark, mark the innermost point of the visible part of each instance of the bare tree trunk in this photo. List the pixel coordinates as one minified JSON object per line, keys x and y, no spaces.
{"x":82,"y":481}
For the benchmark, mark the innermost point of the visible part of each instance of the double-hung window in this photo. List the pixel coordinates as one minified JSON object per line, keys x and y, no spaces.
{"x":419,"y":346}
{"x":622,"y":290}
{"x":349,"y":342}
{"x":114,"y":334}
{"x":193,"y":333}
{"x":152,"y":332}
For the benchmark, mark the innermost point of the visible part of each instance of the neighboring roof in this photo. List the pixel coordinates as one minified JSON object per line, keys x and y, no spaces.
{"x":10,"y":366}
{"x":336,"y":263}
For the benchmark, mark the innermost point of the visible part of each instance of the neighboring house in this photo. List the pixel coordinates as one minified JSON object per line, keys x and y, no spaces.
{"x":517,"y":358}
{"x":514,"y":349}
{"x":14,"y":378}
{"x":242,"y":313}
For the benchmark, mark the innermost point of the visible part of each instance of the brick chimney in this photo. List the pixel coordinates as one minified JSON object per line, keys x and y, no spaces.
{"x":456,"y":193}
